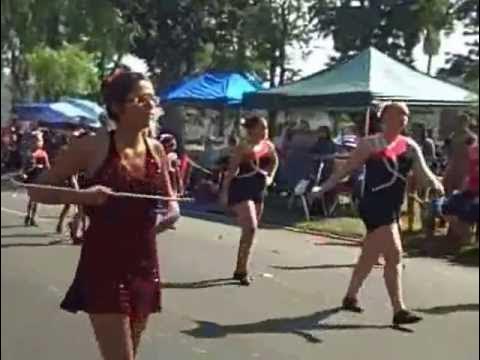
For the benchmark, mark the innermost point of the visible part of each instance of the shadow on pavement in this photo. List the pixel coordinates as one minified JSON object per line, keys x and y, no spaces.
{"x":450,"y":309}
{"x":299,"y":326}
{"x":200,"y":284}
{"x":340,"y":243}
{"x":13,"y":226}
{"x":314,"y":267}
{"x":51,"y":243}
{"x":15,"y":236}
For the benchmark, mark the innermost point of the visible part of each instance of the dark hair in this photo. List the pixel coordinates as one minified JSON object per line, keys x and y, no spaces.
{"x":117,"y":87}
{"x":374,"y":123}
{"x":232,"y":140}
{"x":326,"y":130}
{"x":251,"y":122}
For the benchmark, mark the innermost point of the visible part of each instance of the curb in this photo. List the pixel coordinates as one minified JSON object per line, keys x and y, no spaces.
{"x":332,"y":236}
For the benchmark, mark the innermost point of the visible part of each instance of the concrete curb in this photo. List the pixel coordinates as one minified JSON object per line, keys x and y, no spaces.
{"x":189,"y":212}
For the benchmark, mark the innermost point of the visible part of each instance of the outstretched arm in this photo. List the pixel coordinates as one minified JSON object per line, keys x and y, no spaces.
{"x":272,"y":171}
{"x":356,"y":160}
{"x":233,"y":165}
{"x":70,"y":161}
{"x":422,"y":172}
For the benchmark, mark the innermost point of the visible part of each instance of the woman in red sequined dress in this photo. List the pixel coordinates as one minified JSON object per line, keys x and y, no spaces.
{"x":117,"y":280}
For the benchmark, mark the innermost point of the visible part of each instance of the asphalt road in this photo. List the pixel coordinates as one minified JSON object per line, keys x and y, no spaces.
{"x":289,"y":313}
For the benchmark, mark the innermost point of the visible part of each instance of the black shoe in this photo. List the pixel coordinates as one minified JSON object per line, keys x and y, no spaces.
{"x":350,"y":304}
{"x":405,"y":317}
{"x":27,"y":221}
{"x":33,"y":223}
{"x":59,"y":229}
{"x":244,"y":279}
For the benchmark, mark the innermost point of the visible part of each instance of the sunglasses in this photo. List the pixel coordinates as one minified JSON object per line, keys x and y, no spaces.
{"x":144,"y":99}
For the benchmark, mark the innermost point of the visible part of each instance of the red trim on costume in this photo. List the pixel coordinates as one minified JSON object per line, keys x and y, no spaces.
{"x":264,"y":149}
{"x":397,"y":148}
{"x":40,"y":157}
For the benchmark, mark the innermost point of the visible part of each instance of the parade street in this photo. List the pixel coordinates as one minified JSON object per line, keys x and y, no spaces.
{"x":289,"y":313}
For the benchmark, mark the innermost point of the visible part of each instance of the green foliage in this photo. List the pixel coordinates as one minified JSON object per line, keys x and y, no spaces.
{"x":178,"y":38}
{"x":466,"y":65}
{"x":68,"y":71}
{"x":395,"y":27}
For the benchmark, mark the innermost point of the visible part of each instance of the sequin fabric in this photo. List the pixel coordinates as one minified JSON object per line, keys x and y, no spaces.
{"x":118,"y":270}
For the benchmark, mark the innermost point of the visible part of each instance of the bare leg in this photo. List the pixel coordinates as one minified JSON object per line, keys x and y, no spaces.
{"x":371,"y":251}
{"x":61,"y":219}
{"x":137,"y":326}
{"x":29,"y":212}
{"x":259,"y":209}
{"x":33,"y":214}
{"x":393,"y":266}
{"x":113,"y":335}
{"x":247,"y":220}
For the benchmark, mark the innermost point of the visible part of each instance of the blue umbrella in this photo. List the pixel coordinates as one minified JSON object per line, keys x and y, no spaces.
{"x":88,"y":106}
{"x":53,"y":114}
{"x":212,"y":89}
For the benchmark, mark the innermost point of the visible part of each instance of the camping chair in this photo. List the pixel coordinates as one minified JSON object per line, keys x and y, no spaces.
{"x":307,"y":189}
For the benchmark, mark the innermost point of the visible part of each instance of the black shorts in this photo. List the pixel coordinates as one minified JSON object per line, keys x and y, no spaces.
{"x":379,"y":211}
{"x":250,"y":188}
{"x":33,"y":174}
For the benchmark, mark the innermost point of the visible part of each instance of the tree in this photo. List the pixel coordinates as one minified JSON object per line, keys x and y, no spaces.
{"x":435,"y":16}
{"x":27,"y":24}
{"x":393,"y":26}
{"x":68,"y":71}
{"x":465,"y":66}
{"x":169,"y":34}
{"x":272,"y":28}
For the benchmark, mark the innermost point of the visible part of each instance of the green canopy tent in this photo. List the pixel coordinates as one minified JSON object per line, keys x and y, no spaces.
{"x":368,"y":78}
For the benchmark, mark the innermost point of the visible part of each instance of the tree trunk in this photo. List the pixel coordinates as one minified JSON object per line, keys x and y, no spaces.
{"x":272,"y":123}
{"x":222,"y":121}
{"x":174,"y":123}
{"x":283,"y":46}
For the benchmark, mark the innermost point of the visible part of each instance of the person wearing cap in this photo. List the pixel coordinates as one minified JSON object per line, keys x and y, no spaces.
{"x":388,"y":157}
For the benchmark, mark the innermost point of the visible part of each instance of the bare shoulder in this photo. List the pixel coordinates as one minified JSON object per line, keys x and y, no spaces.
{"x":90,"y":142}
{"x":270,"y":145}
{"x":90,"y":151}
{"x":155,"y":146}
{"x":242,"y":148}
{"x":413,"y":145}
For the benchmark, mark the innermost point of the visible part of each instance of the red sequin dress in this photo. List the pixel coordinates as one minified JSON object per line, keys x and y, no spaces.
{"x":118,"y":270}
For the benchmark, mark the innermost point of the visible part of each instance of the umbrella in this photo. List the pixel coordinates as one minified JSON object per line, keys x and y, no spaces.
{"x":88,"y":106}
{"x":53,"y":114}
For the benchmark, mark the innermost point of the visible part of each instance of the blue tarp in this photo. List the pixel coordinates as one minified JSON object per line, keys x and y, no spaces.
{"x":90,"y":107}
{"x":54,"y":114}
{"x":212,"y":89}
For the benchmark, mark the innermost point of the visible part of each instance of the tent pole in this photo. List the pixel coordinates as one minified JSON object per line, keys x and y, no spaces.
{"x":367,"y":121}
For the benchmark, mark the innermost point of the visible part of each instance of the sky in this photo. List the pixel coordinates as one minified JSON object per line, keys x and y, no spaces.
{"x":323,"y":49}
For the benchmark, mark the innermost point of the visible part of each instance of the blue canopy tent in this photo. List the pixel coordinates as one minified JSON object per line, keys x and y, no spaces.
{"x":55,"y":114}
{"x":90,"y":107}
{"x":212,"y":89}
{"x":215,"y":90}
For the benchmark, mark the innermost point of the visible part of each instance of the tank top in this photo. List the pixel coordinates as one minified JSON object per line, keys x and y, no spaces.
{"x":386,"y":171}
{"x":257,"y":161}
